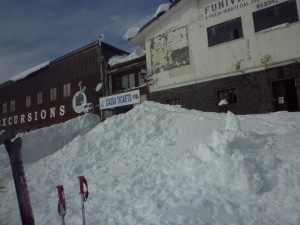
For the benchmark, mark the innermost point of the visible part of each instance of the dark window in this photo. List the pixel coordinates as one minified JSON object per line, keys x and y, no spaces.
{"x":4,"y":107}
{"x":174,"y":101}
{"x":12,"y":105}
{"x":123,"y":82}
{"x":226,"y":96}
{"x":28,"y":101}
{"x":53,"y":94}
{"x":224,"y":32}
{"x":279,"y":14}
{"x":39,"y":98}
{"x":67,"y":90}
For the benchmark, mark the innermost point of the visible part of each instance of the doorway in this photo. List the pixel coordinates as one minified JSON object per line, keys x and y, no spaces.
{"x":284,"y":93}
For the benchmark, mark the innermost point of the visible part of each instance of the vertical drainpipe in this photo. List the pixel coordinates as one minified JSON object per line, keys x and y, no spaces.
{"x":102,"y":76}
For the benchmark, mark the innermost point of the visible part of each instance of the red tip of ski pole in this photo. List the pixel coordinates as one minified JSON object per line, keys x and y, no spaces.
{"x":60,"y":190}
{"x":81,"y":178}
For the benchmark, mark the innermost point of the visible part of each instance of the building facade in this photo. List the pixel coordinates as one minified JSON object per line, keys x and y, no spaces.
{"x":237,"y":55}
{"x":127,"y":87}
{"x":57,"y":91}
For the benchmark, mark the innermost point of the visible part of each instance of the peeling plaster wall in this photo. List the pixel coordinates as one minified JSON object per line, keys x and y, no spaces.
{"x":177,"y":47}
{"x":169,"y":51}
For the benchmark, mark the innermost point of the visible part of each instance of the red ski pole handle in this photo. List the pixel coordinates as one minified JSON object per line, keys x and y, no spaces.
{"x":81,"y":179}
{"x":60,"y":190}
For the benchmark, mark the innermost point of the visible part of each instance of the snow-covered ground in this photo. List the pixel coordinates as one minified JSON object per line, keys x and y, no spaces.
{"x":160,"y":164}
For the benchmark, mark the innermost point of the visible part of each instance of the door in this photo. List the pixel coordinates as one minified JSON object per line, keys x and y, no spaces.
{"x":285,"y":95}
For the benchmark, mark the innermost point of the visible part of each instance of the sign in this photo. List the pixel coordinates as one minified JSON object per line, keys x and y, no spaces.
{"x":32,"y":116}
{"x":222,"y":7}
{"x":126,"y":98}
{"x":79,"y":102}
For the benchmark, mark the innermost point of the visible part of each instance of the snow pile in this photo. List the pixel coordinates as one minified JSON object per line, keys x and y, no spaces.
{"x":162,"y":8}
{"x":46,"y":141}
{"x":61,"y":133}
{"x":160,"y":164}
{"x":29,"y":71}
{"x":131,"y":33}
{"x":137,"y":53}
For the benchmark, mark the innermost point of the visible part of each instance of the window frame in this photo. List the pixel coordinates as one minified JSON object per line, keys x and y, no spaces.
{"x":12,"y":105}
{"x":117,"y":81}
{"x":39,"y":98}
{"x":266,"y":18}
{"x":53,"y":94}
{"x":4,"y":107}
{"x":67,"y":90}
{"x":226,"y":90}
{"x":215,"y":37}
{"x":28,"y":101}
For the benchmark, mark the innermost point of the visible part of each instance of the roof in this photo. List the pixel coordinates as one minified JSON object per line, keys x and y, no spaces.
{"x":107,"y":50}
{"x":137,"y":62}
{"x":139,"y":38}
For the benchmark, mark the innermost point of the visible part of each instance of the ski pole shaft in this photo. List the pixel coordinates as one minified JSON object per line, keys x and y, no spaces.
{"x":81,"y":192}
{"x":61,"y":203}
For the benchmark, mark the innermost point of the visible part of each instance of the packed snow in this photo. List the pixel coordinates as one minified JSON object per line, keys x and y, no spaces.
{"x":137,"y":53}
{"x":162,"y":8}
{"x":29,"y":71}
{"x":131,"y":33}
{"x":160,"y":164}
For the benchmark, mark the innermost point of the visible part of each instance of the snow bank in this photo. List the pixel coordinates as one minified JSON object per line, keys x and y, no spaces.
{"x":160,"y":164}
{"x":55,"y":137}
{"x":29,"y":71}
{"x":46,"y":141}
{"x":138,"y":52}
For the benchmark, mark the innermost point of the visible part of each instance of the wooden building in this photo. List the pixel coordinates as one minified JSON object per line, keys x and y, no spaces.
{"x":127,"y":87}
{"x":57,"y":91}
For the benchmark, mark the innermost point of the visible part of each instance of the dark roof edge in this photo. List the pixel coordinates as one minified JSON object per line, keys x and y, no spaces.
{"x":86,"y":47}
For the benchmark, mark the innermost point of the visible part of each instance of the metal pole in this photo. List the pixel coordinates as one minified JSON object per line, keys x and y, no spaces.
{"x":83,"y":210}
{"x":81,"y":192}
{"x":61,"y":203}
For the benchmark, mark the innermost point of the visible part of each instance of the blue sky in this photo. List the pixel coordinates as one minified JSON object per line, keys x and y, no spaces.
{"x":36,"y":31}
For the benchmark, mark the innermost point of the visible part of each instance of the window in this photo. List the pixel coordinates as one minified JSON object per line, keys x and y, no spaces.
{"x":53,"y":94}
{"x":39,"y":99}
{"x":4,"y":107}
{"x":123,"y":82}
{"x":12,"y":105}
{"x":174,"y":101}
{"x":28,"y":101}
{"x":224,"y":32}
{"x":67,"y":90}
{"x":279,"y":14}
{"x":226,"y":96}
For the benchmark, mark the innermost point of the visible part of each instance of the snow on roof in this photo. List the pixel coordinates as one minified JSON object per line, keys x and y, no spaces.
{"x":131,"y":32}
{"x":138,"y":52}
{"x":162,"y":8}
{"x":29,"y":71}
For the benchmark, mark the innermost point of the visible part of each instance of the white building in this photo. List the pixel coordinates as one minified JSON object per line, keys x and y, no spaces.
{"x":237,"y":55}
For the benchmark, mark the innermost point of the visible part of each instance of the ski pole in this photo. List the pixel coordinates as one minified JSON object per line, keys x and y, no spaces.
{"x":61,"y":203}
{"x":84,"y":195}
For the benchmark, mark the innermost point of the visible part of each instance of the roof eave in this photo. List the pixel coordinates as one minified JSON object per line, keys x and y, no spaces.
{"x":139,"y":39}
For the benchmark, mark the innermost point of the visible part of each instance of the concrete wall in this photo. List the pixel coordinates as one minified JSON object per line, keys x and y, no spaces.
{"x":254,"y":93}
{"x":186,"y":24}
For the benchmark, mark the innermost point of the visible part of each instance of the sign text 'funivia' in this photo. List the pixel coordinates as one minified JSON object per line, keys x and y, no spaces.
{"x":222,"y":7}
